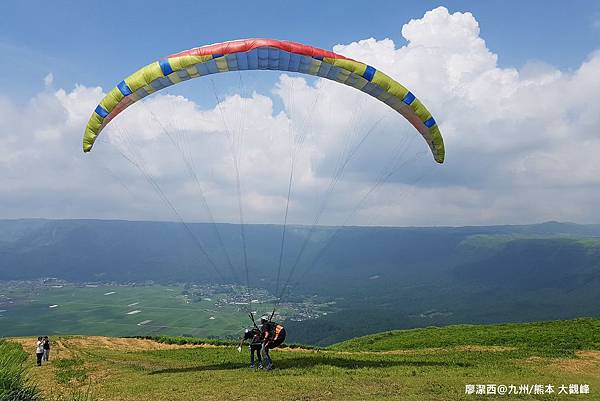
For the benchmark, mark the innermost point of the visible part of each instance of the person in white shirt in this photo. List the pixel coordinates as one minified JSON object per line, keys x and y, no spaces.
{"x":39,"y":350}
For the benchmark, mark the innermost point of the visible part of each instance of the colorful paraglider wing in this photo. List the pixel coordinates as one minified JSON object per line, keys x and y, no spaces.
{"x":264,"y":54}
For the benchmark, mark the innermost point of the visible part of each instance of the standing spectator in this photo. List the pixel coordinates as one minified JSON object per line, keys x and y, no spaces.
{"x":46,"y":349}
{"x":39,"y":350}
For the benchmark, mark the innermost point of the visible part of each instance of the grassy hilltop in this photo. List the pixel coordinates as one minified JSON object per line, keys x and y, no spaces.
{"x":420,"y":364}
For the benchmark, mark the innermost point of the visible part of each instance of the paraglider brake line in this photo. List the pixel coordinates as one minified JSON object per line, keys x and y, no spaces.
{"x":253,"y":321}
{"x":272,"y":314}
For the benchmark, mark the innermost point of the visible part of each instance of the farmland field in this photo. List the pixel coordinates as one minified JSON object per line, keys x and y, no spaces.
{"x":115,"y":310}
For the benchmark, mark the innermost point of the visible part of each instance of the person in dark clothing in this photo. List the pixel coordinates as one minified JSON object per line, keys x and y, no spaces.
{"x":39,"y":350}
{"x":253,"y":336}
{"x":46,"y":344}
{"x":273,"y":335}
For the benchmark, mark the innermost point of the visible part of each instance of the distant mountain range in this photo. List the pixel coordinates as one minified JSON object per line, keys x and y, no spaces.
{"x":380,"y":277}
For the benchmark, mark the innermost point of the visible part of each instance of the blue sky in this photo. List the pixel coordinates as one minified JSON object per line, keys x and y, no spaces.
{"x":513,"y":85}
{"x":99,"y":42}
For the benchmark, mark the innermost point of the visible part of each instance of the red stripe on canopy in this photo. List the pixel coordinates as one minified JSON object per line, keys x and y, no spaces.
{"x":244,"y":45}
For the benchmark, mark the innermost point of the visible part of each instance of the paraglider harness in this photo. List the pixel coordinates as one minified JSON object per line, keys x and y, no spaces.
{"x":272,"y":333}
{"x":254,"y":337}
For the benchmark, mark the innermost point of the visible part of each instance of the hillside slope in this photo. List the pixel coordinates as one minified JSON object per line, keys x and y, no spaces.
{"x":431,"y":364}
{"x":559,"y":338}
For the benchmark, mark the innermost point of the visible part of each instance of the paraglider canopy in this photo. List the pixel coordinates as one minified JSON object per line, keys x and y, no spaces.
{"x":264,"y":54}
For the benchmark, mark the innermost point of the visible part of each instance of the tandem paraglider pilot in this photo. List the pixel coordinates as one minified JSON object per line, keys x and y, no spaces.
{"x":262,"y":339}
{"x":273,"y":335}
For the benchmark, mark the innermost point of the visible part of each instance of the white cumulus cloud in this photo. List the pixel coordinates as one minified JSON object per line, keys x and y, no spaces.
{"x":521,"y":144}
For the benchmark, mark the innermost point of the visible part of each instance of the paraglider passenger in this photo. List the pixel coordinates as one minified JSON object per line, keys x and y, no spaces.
{"x":273,"y":336}
{"x":253,"y":337}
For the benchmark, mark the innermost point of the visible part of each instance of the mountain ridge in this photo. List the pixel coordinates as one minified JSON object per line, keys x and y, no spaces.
{"x":390,"y":277}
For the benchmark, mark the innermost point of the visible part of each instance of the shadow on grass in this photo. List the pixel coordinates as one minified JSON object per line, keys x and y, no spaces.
{"x":308,"y":362}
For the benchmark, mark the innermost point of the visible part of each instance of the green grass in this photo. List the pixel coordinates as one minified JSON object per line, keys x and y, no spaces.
{"x":15,"y":383}
{"x":178,"y":340}
{"x":79,"y":395}
{"x":432,"y":364}
{"x":209,"y":341}
{"x":18,"y":384}
{"x":552,"y":338}
{"x":69,"y":370}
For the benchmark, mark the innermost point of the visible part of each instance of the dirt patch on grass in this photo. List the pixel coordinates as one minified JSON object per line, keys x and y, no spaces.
{"x":67,"y":347}
{"x":126,"y":344}
{"x":431,"y":351}
{"x":298,"y":349}
{"x":58,"y":350}
{"x":484,"y":348}
{"x":586,"y":363}
{"x":137,"y":344}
